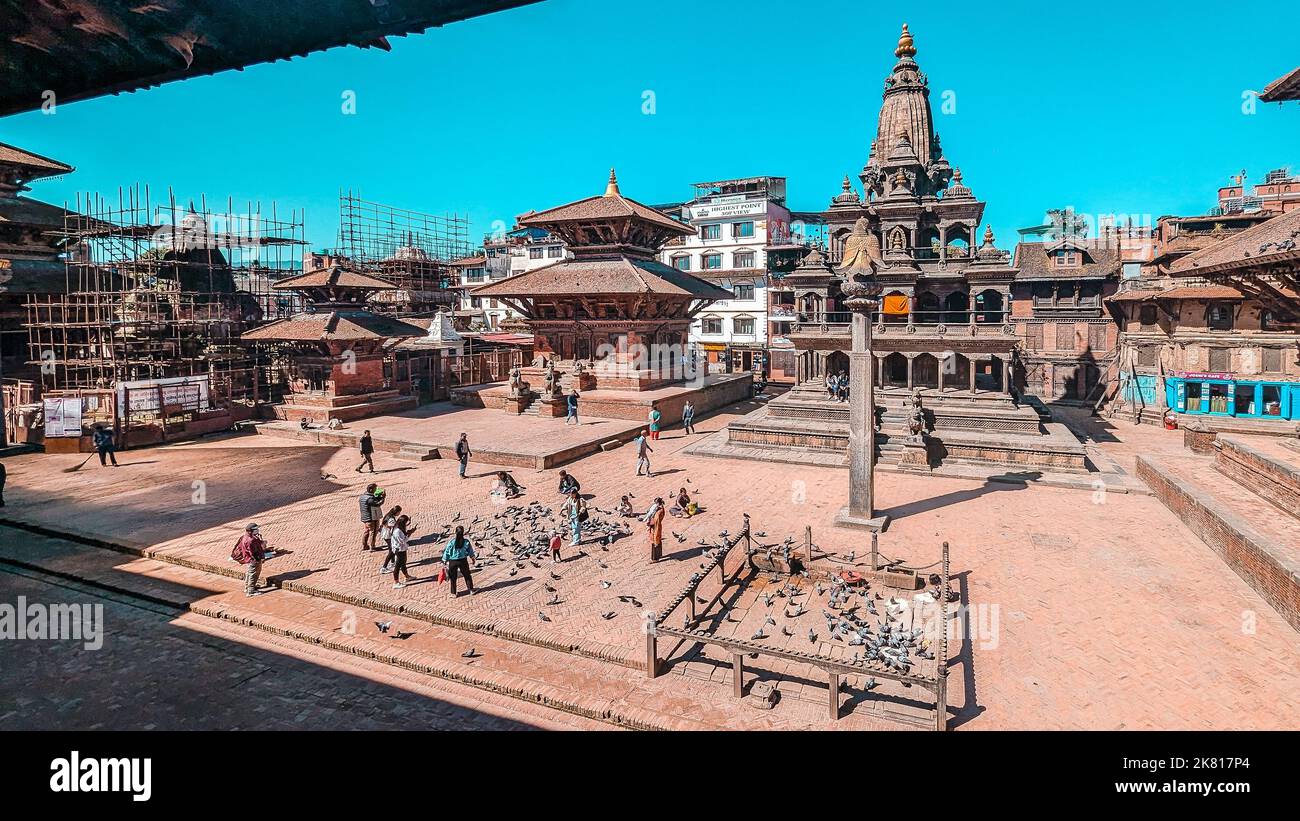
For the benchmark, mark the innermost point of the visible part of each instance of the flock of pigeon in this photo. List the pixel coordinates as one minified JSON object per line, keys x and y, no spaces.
{"x":854,"y":616}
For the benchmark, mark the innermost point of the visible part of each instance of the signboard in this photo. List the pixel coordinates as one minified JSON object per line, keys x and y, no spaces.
{"x":189,"y":392}
{"x":1227,"y":377}
{"x":726,"y":210}
{"x":63,"y":416}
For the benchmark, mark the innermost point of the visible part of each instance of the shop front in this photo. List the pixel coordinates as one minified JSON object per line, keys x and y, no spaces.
{"x":1225,"y":394}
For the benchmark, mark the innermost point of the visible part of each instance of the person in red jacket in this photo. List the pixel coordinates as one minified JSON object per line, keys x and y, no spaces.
{"x":249,"y":551}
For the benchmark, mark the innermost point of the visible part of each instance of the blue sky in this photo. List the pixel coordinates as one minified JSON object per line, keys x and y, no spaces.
{"x":1111,"y":108}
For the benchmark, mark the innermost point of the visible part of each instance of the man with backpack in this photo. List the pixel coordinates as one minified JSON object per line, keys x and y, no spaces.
{"x":250,"y":551}
{"x":572,"y":403}
{"x":371,"y":504}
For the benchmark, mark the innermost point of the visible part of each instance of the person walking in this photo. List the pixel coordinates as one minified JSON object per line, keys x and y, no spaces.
{"x":463,"y":453}
{"x":643,"y":451}
{"x":371,"y":504}
{"x":367,"y":447}
{"x":250,"y":551}
{"x":655,"y":417}
{"x":2,"y":484}
{"x":654,"y":520}
{"x":568,"y":483}
{"x":576,"y":510}
{"x":456,"y":557}
{"x":103,"y":441}
{"x":386,"y":536}
{"x":398,"y":545}
{"x":573,"y":408}
{"x":555,"y":546}
{"x":688,"y":417}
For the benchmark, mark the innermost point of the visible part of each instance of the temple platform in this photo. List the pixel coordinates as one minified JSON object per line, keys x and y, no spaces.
{"x":984,"y":429}
{"x":320,"y":410}
{"x":1244,"y":503}
{"x":708,"y":393}
{"x":497,"y":439}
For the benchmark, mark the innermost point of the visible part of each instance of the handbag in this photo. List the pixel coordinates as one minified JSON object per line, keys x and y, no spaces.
{"x":582,"y":515}
{"x":442,"y":574}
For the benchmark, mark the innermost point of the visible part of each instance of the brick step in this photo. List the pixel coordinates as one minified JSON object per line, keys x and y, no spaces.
{"x":1260,"y":546}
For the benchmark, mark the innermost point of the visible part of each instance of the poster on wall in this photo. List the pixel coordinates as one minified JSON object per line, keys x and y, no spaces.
{"x":189,"y":392}
{"x":63,"y":416}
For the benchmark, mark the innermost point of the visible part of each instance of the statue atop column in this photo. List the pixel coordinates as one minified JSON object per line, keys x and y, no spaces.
{"x":916,"y":416}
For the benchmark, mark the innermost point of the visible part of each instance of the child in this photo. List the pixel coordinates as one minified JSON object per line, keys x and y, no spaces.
{"x":555,"y":546}
{"x":386,"y":537}
{"x":625,"y":508}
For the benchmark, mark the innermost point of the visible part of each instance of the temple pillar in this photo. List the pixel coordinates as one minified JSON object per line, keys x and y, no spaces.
{"x":974,"y":364}
{"x":1003,"y":363}
{"x":943,"y":365}
{"x":861,"y":511}
{"x":911,"y":359}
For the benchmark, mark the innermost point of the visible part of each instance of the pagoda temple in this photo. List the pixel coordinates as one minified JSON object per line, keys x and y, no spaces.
{"x":612,"y":318}
{"x":942,"y":337}
{"x":336,"y":350}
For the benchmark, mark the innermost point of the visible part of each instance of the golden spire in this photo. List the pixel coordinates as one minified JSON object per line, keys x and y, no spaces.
{"x":956,"y":175}
{"x":988,"y":234}
{"x":905,"y":45}
{"x":611,"y":190}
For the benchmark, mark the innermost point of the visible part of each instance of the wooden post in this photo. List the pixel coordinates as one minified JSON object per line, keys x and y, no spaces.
{"x":807,"y":542}
{"x":738,"y":675}
{"x":941,"y":700}
{"x":651,"y":647}
{"x":835,"y":696}
{"x":162,"y":413}
{"x":875,"y":550}
{"x":941,"y":689}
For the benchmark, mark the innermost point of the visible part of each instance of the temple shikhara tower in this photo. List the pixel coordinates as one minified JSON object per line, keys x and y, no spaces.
{"x":943,"y":343}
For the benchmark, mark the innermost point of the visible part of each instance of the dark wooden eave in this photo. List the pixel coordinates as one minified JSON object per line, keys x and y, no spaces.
{"x":80,"y":49}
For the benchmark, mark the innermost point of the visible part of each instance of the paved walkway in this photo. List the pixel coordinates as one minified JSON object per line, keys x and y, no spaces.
{"x":1091,"y":610}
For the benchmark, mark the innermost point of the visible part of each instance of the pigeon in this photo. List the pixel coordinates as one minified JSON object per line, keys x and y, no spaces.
{"x":605,"y":585}
{"x":607,"y":615}
{"x":542,"y":616}
{"x":555,"y":599}
{"x":812,"y":636}
{"x":514,"y":571}
{"x":402,"y":636}
{"x":548,"y":588}
{"x":470,"y":654}
{"x":871,"y":683}
{"x":758,"y":634}
{"x":384,"y":625}
{"x":556,"y":576}
{"x":786,"y":631}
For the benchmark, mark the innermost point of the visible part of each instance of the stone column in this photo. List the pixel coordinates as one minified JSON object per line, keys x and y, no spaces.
{"x":972,"y":362}
{"x":911,"y":357}
{"x":861,"y":510}
{"x":943,"y":366}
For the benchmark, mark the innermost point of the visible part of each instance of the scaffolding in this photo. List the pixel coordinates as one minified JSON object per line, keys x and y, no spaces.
{"x":412,"y":250}
{"x":164,"y":290}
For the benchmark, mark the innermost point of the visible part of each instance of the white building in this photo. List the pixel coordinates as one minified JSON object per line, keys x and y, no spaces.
{"x":516,"y":252}
{"x":739,"y":224}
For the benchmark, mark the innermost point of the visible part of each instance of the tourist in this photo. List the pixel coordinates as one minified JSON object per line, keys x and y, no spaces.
{"x":643,"y":451}
{"x":688,"y":417}
{"x":463,"y":453}
{"x":400,"y":542}
{"x":367,"y":452}
{"x":555,"y":546}
{"x":250,"y":551}
{"x":654,"y":520}
{"x":2,"y":484}
{"x":456,"y":557}
{"x":832,"y":383}
{"x":625,"y":508}
{"x":386,"y":536}
{"x":576,"y":510}
{"x":371,"y":503}
{"x":568,"y":484}
{"x":655,"y":417}
{"x":842,"y":387}
{"x":103,"y":441}
{"x":573,"y":408}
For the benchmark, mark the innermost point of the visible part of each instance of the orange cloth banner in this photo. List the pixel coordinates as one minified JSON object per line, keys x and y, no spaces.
{"x":895,"y":304}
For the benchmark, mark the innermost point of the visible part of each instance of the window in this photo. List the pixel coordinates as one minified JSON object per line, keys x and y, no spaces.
{"x":1132,"y":270}
{"x":1066,"y":259}
{"x":555,"y":252}
{"x":534,"y":253}
{"x":475,"y":302}
{"x":1147,"y":315}
{"x":742,"y":259}
{"x":1272,"y":360}
{"x":710,"y":232}
{"x":711,"y":262}
{"x":474,"y":275}
{"x":1146,"y":356}
{"x":1064,"y":336}
{"x":743,"y":290}
{"x":1090,"y":293}
{"x":744,"y":324}
{"x":1034,"y":333}
{"x":1220,"y":360}
{"x":1218,"y":317}
{"x":682,"y":263}
{"x":1042,"y":293}
{"x":711,"y":325}
{"x":742,"y":229}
